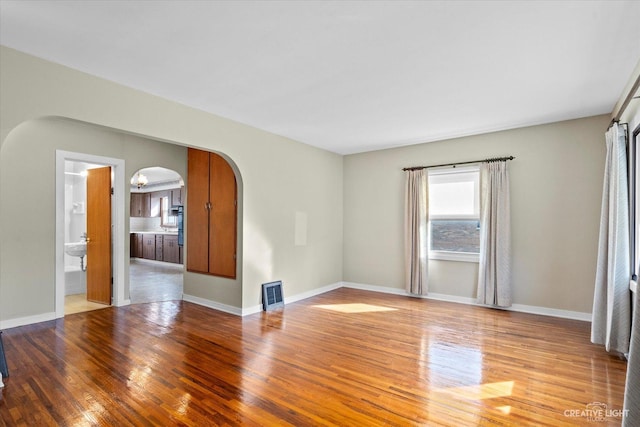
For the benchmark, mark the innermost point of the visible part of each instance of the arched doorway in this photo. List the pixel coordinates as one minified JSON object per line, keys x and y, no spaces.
{"x":156,"y":246}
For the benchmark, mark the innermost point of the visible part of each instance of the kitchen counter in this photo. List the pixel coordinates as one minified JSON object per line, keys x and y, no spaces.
{"x":171,"y":233}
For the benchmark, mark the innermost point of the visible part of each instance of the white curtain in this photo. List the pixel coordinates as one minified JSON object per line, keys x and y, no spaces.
{"x":415,"y":226}
{"x":611,"y":318}
{"x":494,"y":276}
{"x":631,"y":417}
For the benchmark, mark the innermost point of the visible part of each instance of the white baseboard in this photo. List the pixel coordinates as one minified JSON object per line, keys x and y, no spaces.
{"x":213,"y":304}
{"x":28,"y":320}
{"x":296,"y":297}
{"x":553,"y":312}
{"x":543,"y":311}
{"x":531,"y":309}
{"x":122,"y":303}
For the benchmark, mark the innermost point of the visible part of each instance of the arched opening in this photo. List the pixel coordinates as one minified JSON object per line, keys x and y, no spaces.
{"x":156,"y":235}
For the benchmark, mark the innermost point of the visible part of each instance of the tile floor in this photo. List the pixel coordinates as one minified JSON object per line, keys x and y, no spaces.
{"x":152,"y":281}
{"x":78,"y":304}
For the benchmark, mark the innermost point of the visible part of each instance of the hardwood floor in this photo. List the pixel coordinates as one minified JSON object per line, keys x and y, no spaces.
{"x":347,"y":357}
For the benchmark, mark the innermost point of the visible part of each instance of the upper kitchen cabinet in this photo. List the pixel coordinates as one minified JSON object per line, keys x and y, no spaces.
{"x":154,"y":189}
{"x":177,"y":196}
{"x":211,"y":215}
{"x":140,"y":205}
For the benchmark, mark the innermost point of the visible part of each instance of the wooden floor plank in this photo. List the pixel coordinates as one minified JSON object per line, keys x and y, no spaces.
{"x":347,"y":357}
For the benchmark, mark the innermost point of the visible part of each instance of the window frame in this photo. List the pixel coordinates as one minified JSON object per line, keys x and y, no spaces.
{"x":634,"y":213}
{"x":454,"y":255}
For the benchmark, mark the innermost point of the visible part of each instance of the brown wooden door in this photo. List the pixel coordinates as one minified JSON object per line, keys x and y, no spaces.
{"x":198,"y":211}
{"x":99,"y":235}
{"x":222,"y":222}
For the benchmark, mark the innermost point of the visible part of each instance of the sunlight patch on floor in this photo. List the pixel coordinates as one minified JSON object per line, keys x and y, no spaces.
{"x":78,"y":304}
{"x":355,"y":308}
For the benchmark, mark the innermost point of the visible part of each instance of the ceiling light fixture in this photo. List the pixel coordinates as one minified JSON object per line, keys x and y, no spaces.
{"x":141,"y":180}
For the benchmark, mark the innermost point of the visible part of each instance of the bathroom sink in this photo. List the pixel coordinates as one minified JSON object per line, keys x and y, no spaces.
{"x":78,"y":249}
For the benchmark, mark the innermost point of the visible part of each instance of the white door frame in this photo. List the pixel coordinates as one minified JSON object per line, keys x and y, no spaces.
{"x":118,"y":224}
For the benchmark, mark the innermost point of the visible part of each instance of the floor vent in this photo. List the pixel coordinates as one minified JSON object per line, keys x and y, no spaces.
{"x":272,"y":295}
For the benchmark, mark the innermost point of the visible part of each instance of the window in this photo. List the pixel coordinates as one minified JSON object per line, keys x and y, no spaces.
{"x":167,"y":219}
{"x":634,"y":209}
{"x":454,"y":214}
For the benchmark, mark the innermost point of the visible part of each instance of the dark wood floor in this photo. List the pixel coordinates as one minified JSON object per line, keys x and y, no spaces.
{"x":347,"y":357}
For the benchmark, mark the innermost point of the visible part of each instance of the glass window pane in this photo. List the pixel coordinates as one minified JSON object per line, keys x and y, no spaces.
{"x":454,"y":194}
{"x":455,"y":235}
{"x":454,"y":198}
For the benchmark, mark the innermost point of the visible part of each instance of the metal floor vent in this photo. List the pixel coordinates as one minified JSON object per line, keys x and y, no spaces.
{"x":272,"y":295}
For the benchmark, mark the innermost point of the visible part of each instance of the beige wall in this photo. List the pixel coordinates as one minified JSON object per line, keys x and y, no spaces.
{"x":279,"y":177}
{"x":27,"y":186}
{"x":556,"y":188}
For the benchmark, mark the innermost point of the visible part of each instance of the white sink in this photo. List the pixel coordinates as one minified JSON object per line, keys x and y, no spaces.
{"x":78,"y":249}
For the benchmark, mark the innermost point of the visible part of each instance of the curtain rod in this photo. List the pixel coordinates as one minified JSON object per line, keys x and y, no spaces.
{"x":493,"y":159}
{"x":630,"y":96}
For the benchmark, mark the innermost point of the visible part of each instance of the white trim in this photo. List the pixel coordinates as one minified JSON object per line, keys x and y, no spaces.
{"x":633,"y":286}
{"x":531,"y":309}
{"x":312,"y":293}
{"x":118,"y":219}
{"x":374,"y":288}
{"x":296,"y":298}
{"x":28,"y":320}
{"x":251,"y":310}
{"x":553,"y":312}
{"x":454,"y":256}
{"x":258,"y":308}
{"x":212,"y":304}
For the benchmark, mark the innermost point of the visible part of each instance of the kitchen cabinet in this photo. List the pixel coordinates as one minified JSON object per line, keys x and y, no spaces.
{"x":140,"y":205}
{"x":149,"y":246}
{"x":176,"y":197}
{"x":158,"y":247}
{"x":211,"y":215}
{"x":136,"y":245}
{"x":149,"y":205}
{"x":159,"y":251}
{"x":170,"y":249}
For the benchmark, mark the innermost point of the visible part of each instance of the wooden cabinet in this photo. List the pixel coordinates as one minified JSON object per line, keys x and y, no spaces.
{"x":149,"y":246}
{"x":149,"y":205}
{"x":170,"y":249}
{"x":136,"y":245}
{"x":211,"y":215}
{"x":140,"y":205}
{"x":159,"y":247}
{"x":176,"y":197}
{"x":159,"y":251}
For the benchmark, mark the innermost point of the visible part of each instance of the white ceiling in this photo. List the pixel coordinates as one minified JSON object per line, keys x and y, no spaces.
{"x":349,"y":76}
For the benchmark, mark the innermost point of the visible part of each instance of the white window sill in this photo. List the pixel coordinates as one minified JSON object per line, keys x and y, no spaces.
{"x":454,"y":256}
